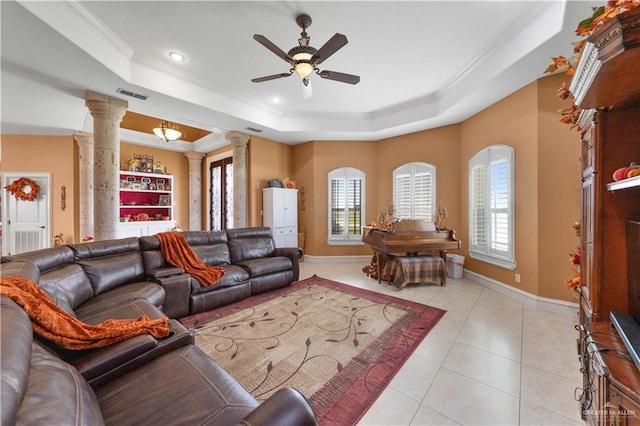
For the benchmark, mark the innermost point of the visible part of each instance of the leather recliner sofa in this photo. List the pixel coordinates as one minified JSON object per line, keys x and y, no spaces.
{"x":181,"y":386}
{"x":164,"y":379}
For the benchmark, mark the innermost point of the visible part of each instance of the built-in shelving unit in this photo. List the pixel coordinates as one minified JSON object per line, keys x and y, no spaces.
{"x":609,"y":94}
{"x":146,"y":203}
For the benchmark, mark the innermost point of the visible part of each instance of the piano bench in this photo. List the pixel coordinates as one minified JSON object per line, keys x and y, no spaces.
{"x":402,"y":270}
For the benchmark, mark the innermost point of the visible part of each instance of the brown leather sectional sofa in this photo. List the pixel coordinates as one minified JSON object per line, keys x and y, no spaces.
{"x":142,"y":380}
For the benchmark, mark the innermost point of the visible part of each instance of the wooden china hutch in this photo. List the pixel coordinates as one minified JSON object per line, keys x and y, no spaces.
{"x":607,"y":87}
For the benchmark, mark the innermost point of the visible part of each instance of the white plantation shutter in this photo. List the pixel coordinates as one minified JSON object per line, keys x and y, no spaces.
{"x":491,"y":200}
{"x":346,"y":205}
{"x":499,"y":199}
{"x":478,"y":206}
{"x":414,"y":191}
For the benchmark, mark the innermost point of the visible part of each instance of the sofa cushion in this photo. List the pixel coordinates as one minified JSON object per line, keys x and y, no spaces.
{"x":233,"y":275}
{"x":105,"y":248}
{"x":20,"y":268}
{"x":68,"y":285}
{"x":184,"y":386}
{"x":57,"y":394}
{"x":106,"y":273}
{"x":120,"y":296}
{"x":266,"y":266}
{"x":250,"y":243}
{"x":49,"y":258}
{"x":210,"y":246}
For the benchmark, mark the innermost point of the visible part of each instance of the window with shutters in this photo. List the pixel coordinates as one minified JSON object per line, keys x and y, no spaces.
{"x":414,"y":191}
{"x":346,"y":206}
{"x":491,"y":200}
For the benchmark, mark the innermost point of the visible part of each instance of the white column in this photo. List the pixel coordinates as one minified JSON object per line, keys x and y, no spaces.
{"x":195,"y":189}
{"x":239,"y":141}
{"x":85,"y":171}
{"x":107,"y":114}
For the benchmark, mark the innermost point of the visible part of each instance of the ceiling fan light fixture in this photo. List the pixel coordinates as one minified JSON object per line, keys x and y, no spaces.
{"x":302,"y":57}
{"x":167,"y":131}
{"x":303,"y":69}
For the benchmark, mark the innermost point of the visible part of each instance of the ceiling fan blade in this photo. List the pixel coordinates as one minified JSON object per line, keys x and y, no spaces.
{"x":334,"y":44}
{"x":340,"y":76}
{"x":271,"y":77}
{"x":272,"y":47}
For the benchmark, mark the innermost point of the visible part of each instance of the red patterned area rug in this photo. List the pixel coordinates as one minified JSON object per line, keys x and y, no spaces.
{"x":338,"y":344}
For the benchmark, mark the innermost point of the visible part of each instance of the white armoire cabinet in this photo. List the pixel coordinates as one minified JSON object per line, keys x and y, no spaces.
{"x":280,"y":213}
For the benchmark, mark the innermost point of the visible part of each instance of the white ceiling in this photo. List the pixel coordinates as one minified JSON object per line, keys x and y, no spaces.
{"x":423,"y":64}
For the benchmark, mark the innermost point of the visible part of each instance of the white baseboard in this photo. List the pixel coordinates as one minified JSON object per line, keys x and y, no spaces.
{"x":537,"y":302}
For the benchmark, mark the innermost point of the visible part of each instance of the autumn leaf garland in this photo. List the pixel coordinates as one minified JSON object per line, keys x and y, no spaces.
{"x":585,"y":28}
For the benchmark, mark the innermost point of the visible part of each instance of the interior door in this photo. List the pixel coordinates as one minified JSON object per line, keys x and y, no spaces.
{"x":26,"y":224}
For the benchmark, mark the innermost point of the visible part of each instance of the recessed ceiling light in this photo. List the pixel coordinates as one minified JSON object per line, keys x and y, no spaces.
{"x":275,"y":100}
{"x":178,"y":57}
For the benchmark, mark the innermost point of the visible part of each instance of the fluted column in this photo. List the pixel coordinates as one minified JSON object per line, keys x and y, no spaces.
{"x":107,"y":114}
{"x":85,"y":171}
{"x":239,"y":141}
{"x":195,"y":189}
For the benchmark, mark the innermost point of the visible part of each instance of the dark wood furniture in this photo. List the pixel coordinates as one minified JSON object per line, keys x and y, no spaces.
{"x":424,"y":242}
{"x":607,"y":86}
{"x":611,"y":380}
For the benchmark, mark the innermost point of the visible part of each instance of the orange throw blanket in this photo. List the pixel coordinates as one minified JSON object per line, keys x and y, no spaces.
{"x":51,"y":322}
{"x":177,"y":252}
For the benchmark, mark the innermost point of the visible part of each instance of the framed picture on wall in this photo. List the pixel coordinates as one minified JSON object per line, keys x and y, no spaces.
{"x":164,"y":200}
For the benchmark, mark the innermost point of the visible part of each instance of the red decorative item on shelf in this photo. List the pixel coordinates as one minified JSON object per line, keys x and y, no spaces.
{"x":626,"y":172}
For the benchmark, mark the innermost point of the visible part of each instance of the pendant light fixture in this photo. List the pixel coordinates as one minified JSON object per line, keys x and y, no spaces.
{"x":167,"y":131}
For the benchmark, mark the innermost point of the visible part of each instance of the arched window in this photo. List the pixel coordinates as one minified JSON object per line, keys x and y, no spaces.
{"x":491,"y":201}
{"x":346,"y":206}
{"x":414,"y":191}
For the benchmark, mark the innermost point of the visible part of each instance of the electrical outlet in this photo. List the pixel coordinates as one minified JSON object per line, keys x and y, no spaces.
{"x":517,"y":277}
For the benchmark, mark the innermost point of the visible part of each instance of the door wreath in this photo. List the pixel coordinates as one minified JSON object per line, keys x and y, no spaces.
{"x":17,"y":188}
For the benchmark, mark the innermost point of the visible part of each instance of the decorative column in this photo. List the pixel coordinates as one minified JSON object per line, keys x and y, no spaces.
{"x":85,"y":171}
{"x":107,"y":114}
{"x":239,"y":141}
{"x":195,"y":189}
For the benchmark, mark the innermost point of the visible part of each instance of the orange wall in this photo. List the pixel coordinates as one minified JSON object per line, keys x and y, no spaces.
{"x":311,"y":164}
{"x":52,"y":154}
{"x":440,"y":147}
{"x":560,"y":191}
{"x":511,"y":121}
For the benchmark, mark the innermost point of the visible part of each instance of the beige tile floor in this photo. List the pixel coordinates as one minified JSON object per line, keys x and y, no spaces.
{"x":490,"y":360}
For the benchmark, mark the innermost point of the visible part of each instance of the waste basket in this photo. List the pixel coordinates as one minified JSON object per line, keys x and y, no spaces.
{"x":455,"y":265}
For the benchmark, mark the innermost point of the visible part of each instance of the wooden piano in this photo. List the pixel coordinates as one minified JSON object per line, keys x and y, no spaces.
{"x":401,"y":243}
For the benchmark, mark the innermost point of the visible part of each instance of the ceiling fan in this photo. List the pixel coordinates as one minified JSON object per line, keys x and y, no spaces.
{"x":304,"y":58}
